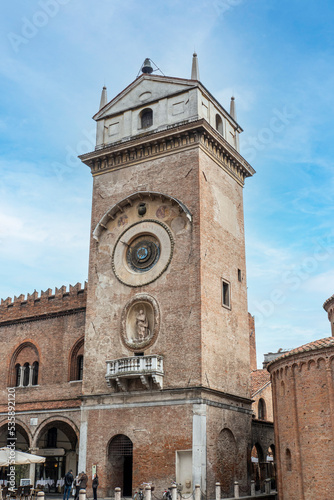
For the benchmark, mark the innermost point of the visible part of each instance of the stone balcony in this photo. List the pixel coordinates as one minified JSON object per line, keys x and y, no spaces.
{"x":148,"y":369}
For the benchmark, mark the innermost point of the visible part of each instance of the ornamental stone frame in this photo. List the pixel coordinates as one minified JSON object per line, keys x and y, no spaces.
{"x":160,"y":234}
{"x":149,"y":306}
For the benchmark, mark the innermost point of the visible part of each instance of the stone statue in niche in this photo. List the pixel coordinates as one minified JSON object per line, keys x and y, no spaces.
{"x":142,"y":328}
{"x":140,"y":321}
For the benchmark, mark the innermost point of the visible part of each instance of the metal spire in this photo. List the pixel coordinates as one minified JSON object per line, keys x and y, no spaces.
{"x":194,"y":68}
{"x":233,"y":112}
{"x":104,"y":98}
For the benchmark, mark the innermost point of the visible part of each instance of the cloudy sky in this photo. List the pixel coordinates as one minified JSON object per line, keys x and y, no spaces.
{"x":276,"y":57}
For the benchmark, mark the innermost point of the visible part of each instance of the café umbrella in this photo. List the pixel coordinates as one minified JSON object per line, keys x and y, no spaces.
{"x":9,"y":456}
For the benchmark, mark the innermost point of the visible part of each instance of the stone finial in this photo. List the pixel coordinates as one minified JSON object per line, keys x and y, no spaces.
{"x":233,"y":112}
{"x":104,"y":98}
{"x":195,"y":68}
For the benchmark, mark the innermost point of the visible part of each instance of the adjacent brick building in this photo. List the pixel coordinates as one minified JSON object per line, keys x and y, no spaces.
{"x":303,"y":396}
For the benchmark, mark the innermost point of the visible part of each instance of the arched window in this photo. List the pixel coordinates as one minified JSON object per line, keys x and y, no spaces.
{"x":34,"y":380}
{"x":288,"y":460}
{"x":26,"y":373}
{"x":146,"y":118}
{"x":219,"y":125}
{"x":17,"y":375}
{"x":76,"y":361}
{"x":261,"y":409}
{"x":79,"y":367}
{"x":24,"y":366}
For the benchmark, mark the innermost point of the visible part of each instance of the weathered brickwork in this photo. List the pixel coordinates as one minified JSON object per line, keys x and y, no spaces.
{"x":262,"y":395}
{"x":160,"y":337}
{"x":252,"y":342}
{"x":303,"y":395}
{"x":154,"y":449}
{"x":42,"y":329}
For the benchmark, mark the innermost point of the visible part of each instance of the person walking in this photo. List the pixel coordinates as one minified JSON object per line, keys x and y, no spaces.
{"x":95,"y":484}
{"x":77,"y":486}
{"x":67,"y":484}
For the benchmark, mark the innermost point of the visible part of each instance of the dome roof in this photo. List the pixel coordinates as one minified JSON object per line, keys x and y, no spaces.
{"x":311,"y":346}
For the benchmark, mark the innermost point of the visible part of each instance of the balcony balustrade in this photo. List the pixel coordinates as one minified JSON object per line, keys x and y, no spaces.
{"x":149,"y":369}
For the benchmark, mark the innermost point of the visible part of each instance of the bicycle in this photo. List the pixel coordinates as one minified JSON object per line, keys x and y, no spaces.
{"x":139,"y":495}
{"x":167,"y":494}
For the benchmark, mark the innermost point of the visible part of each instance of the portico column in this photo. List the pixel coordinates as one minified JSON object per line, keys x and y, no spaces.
{"x":199,"y":445}
{"x":83,"y":441}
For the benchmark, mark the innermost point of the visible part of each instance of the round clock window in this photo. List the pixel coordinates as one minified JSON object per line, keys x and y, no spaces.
{"x":142,"y":253}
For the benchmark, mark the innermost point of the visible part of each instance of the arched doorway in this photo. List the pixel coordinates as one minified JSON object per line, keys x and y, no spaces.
{"x":258,"y":472}
{"x":22,"y":442}
{"x":271,"y":466}
{"x":226,"y":450}
{"x":57,"y":441}
{"x":120,"y":464}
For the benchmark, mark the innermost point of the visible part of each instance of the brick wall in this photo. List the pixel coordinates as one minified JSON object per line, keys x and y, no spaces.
{"x":303,"y":417}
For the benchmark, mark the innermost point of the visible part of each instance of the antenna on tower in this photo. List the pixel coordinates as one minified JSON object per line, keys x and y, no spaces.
{"x":147,"y":67}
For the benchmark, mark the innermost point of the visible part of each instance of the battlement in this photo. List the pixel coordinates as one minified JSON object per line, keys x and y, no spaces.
{"x":45,"y":303}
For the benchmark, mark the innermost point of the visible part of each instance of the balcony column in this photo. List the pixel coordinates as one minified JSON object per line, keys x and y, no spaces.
{"x":21,"y":376}
{"x":31,"y":372}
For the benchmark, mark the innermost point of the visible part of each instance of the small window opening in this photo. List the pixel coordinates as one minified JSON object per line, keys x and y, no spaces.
{"x":226,"y":294}
{"x":34,"y":380}
{"x":26,"y":374}
{"x":146,"y":118}
{"x":18,"y":375}
{"x":239,"y":275}
{"x":219,"y":124}
{"x":262,"y":409}
{"x":79,"y":367}
{"x":139,"y":354}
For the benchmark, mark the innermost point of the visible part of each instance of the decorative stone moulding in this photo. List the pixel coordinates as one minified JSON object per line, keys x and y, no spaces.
{"x":140,"y":322}
{"x":142,"y":253}
{"x":121,"y":206}
{"x":174,"y":139}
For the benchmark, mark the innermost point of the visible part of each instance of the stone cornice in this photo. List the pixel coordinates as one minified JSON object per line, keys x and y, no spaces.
{"x":196,"y":134}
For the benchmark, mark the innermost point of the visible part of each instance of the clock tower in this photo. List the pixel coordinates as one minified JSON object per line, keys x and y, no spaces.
{"x":166,"y":365}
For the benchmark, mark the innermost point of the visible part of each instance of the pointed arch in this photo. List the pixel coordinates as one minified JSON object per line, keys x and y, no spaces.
{"x":21,"y":363}
{"x":75,"y":369}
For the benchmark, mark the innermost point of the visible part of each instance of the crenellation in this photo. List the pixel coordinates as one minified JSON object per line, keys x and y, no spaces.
{"x":45,"y":303}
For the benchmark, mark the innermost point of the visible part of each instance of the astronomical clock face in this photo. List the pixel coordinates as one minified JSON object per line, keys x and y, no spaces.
{"x":142,"y":252}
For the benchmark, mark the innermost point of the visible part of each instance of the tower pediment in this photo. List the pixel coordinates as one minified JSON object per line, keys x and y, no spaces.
{"x":145,"y":89}
{"x":153,"y":103}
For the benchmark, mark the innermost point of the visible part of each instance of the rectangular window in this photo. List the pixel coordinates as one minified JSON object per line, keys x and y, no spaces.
{"x":239,"y":275}
{"x":226,"y":294}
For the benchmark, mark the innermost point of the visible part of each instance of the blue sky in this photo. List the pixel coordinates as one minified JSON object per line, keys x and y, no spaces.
{"x":276,"y":57}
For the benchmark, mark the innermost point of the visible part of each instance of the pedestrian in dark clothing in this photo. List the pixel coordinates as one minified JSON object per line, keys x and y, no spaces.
{"x":67,"y":485}
{"x":95,"y":485}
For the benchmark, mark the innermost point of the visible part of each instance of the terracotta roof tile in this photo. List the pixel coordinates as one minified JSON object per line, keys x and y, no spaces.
{"x":328,"y":301}
{"x":311,"y":346}
{"x":259,"y":378}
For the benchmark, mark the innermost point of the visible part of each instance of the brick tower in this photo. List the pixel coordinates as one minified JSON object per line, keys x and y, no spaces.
{"x":166,"y":365}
